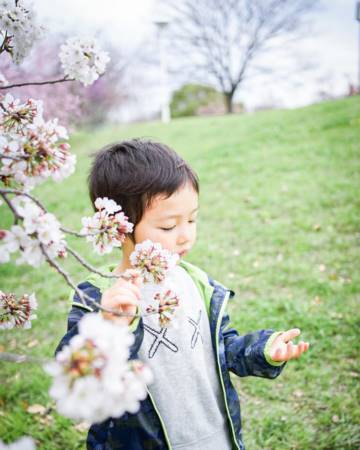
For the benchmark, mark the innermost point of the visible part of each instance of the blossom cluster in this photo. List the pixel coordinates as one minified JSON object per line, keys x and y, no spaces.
{"x":18,"y":28}
{"x":17,"y":313}
{"x":40,"y":232}
{"x":31,"y":149}
{"x":153,"y":261}
{"x":108,"y":227}
{"x":93,"y":379}
{"x":167,"y":306}
{"x":83,"y":59}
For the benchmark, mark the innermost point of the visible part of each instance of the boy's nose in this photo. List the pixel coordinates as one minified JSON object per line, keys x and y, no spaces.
{"x":184,"y":236}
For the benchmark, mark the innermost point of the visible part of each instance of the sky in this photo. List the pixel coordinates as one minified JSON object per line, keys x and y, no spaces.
{"x":332,"y":48}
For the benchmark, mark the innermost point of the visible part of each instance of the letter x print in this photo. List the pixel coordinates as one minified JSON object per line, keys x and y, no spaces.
{"x":196,"y":325}
{"x":160,"y":338}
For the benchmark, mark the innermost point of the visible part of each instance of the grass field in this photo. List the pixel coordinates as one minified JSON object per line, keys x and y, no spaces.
{"x":279,"y":224}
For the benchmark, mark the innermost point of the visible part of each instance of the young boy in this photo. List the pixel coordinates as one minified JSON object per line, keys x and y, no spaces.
{"x":192,"y":404}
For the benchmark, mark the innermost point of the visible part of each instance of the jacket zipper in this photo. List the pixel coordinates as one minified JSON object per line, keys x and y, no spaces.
{"x":161,"y":421}
{"x":222,"y":309}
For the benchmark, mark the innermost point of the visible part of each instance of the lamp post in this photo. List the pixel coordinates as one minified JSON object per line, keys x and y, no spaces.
{"x":358,"y":19}
{"x":165,"y":94}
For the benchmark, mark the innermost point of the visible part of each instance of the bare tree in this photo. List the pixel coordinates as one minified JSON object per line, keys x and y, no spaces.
{"x":219,"y":40}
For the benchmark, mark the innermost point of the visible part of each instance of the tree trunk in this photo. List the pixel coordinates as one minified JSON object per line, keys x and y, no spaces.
{"x":229,"y":102}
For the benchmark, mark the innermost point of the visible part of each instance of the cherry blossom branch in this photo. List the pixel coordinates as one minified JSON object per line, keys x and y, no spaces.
{"x":42,"y":207}
{"x":37,"y":83}
{"x":82,"y":294}
{"x":69,"y":281}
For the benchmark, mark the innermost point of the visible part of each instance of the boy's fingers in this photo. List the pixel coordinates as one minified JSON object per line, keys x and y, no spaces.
{"x":286,"y":336}
{"x":290,"y":350}
{"x":120,"y":300}
{"x":120,"y":287}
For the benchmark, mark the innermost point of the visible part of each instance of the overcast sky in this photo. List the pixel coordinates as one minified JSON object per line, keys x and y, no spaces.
{"x":332,"y":47}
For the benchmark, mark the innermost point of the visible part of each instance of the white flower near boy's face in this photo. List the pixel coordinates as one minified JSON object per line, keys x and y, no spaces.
{"x":18,"y":20}
{"x":83,"y":59}
{"x":24,"y":443}
{"x":17,"y":313}
{"x":109,"y":205}
{"x":166,"y":305}
{"x":108,"y":227}
{"x":153,"y":261}
{"x":93,"y":379}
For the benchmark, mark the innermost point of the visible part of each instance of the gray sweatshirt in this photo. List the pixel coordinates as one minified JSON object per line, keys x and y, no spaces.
{"x":186,"y":387}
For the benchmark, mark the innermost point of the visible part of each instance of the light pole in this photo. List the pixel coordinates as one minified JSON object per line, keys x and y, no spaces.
{"x":358,"y":19}
{"x":165,"y":94}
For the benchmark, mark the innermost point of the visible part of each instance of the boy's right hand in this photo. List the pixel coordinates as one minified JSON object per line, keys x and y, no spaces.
{"x":123,"y":297}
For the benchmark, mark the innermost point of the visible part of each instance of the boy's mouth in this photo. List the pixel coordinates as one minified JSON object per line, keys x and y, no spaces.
{"x":183,"y":253}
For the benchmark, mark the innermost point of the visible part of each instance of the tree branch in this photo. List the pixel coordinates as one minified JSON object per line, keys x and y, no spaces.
{"x":36,"y":83}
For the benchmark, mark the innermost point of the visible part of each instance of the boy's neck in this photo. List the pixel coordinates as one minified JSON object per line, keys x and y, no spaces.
{"x":122,"y":266}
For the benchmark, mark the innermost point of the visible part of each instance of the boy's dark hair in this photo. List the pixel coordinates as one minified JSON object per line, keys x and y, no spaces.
{"x":133,"y":172}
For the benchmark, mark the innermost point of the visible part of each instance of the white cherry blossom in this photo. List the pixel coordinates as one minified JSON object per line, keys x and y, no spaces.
{"x":92,"y":377}
{"x":108,"y":227}
{"x":153,"y":261}
{"x":18,"y":20}
{"x":38,"y":229}
{"x":31,"y":149}
{"x":83,"y":59}
{"x":17,"y":313}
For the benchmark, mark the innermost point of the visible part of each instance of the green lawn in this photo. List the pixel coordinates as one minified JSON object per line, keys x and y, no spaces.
{"x":279,"y":224}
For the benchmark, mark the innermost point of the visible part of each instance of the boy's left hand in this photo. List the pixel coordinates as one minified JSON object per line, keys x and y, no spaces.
{"x":282,"y":349}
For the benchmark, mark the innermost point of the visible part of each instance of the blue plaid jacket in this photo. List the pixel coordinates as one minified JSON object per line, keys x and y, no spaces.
{"x":242,"y":355}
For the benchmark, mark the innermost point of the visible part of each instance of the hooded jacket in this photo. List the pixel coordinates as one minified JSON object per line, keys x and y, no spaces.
{"x":242,"y":355}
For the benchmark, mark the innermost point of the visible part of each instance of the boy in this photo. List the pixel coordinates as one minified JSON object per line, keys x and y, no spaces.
{"x":192,"y":404}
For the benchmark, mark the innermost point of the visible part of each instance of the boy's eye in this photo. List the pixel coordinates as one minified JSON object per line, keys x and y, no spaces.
{"x":167,"y":229}
{"x":171,"y":228}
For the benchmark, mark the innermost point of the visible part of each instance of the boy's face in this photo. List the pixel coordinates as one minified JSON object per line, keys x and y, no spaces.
{"x":171,"y":221}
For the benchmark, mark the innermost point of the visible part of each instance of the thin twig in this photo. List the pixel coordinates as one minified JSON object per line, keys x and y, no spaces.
{"x":11,"y":206}
{"x":88,"y":266}
{"x":82,"y":294}
{"x":36,"y":83}
{"x":69,"y":281}
{"x":25,"y":194}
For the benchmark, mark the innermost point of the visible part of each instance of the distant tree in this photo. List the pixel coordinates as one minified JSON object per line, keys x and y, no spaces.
{"x":197,"y":100}
{"x":187,"y":100}
{"x":217,"y":41}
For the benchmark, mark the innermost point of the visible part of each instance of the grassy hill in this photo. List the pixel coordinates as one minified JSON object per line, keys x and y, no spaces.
{"x":279,"y":224}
